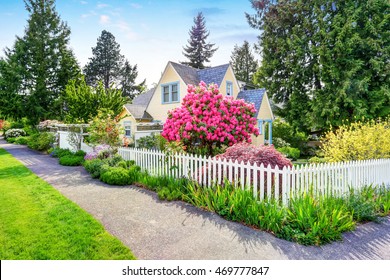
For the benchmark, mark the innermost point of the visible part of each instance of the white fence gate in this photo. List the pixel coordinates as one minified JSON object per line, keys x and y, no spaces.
{"x":281,"y":184}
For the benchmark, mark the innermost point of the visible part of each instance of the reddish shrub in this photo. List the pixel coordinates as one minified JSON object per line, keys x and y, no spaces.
{"x":247,"y":153}
{"x":244,"y":152}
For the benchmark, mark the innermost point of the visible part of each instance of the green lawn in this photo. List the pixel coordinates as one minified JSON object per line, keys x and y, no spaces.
{"x":37,"y":222}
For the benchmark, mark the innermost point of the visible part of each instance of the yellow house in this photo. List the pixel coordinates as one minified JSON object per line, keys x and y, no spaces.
{"x":135,"y":120}
{"x":172,"y":88}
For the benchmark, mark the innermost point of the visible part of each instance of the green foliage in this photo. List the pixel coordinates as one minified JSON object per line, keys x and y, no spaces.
{"x":316,"y":160}
{"x":71,"y":160}
{"x":325,"y":61}
{"x":22,"y":140}
{"x":93,"y":167}
{"x":35,"y":71}
{"x":243,"y":63}
{"x":289,"y":152}
{"x":198,"y":51}
{"x":41,"y":141}
{"x":127,"y":84}
{"x":283,"y":130}
{"x":358,"y":141}
{"x":154,"y":141}
{"x":104,"y":129}
{"x":83,"y":102}
{"x":11,"y":139}
{"x":116,"y":176}
{"x":59,"y":152}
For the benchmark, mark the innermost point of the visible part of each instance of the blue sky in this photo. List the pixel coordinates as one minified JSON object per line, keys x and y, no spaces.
{"x":150,"y":32}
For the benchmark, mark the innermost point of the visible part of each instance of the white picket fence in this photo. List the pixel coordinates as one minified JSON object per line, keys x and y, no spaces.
{"x":281,"y":184}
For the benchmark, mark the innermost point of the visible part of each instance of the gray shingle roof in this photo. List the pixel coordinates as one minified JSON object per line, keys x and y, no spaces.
{"x":194,"y":76}
{"x":254,"y":96}
{"x":144,"y":98}
{"x":138,"y":111}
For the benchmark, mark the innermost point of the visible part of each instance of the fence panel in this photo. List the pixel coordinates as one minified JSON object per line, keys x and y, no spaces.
{"x":266,"y":181}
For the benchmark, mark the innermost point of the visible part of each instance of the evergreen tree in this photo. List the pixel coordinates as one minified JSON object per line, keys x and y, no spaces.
{"x":198,"y":51}
{"x":106,"y":63}
{"x":327,"y":62}
{"x":243,"y":62}
{"x":43,"y":61}
{"x":127,"y":85}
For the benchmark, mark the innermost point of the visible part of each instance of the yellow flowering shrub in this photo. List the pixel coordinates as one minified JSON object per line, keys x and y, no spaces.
{"x":358,"y":141}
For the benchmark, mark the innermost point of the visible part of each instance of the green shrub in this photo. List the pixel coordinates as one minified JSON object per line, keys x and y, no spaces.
{"x":290,"y":152}
{"x":11,"y":139}
{"x":93,"y":167}
{"x":71,"y":160}
{"x":41,"y":141}
{"x":22,"y":140}
{"x":59,"y":152}
{"x":116,"y":176}
{"x":317,"y":160}
{"x":285,"y":132}
{"x":80,"y":153}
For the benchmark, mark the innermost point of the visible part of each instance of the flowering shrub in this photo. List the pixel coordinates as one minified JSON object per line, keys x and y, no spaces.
{"x":104,"y":129}
{"x":43,"y":125}
{"x":208,"y":120}
{"x":100,"y":151}
{"x":14,"y":133}
{"x":358,"y":141}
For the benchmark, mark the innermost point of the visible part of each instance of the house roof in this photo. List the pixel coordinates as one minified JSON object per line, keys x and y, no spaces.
{"x":254,"y":96}
{"x":138,"y":111}
{"x":144,"y":98}
{"x":194,"y":76}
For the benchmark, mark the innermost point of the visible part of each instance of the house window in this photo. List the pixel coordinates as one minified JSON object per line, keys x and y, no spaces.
{"x":127,"y":126}
{"x":229,"y":89}
{"x":170,"y":93}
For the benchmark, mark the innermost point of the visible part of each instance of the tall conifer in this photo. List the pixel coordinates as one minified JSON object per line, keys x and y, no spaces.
{"x":198,"y":51}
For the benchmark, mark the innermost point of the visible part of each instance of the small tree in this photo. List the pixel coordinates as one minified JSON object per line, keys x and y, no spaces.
{"x":198,"y":51}
{"x":104,"y":129}
{"x":207,"y":121}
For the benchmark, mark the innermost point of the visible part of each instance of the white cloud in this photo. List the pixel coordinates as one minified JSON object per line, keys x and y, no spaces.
{"x":102,"y":5}
{"x":124,"y":27}
{"x":83,"y":2}
{"x":104,"y":19}
{"x":135,"y":5}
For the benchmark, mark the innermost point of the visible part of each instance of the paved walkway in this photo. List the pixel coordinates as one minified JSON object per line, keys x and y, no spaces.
{"x":175,"y":230}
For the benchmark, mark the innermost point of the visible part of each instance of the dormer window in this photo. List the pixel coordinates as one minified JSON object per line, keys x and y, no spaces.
{"x":229,"y":88}
{"x":170,"y":93}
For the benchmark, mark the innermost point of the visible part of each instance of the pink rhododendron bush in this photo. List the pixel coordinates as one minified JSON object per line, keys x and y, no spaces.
{"x":207,"y":120}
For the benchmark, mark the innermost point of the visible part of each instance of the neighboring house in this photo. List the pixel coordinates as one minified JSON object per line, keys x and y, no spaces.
{"x":172,"y":88}
{"x":135,"y":120}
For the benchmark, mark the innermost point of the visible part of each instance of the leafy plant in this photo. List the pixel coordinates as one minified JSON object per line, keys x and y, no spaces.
{"x":41,"y":141}
{"x":11,"y":139}
{"x":116,"y":176}
{"x":14,"y":133}
{"x":290,"y":152}
{"x":59,"y":152}
{"x":358,"y":141}
{"x":22,"y":140}
{"x":71,"y":160}
{"x":93,"y":167}
{"x":105,"y":129}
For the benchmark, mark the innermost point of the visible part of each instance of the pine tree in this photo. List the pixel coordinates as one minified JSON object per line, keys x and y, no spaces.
{"x":326,"y":61}
{"x":106,"y":63}
{"x":44,"y":63}
{"x":243,"y":62}
{"x":127,"y":85}
{"x":198,"y":51}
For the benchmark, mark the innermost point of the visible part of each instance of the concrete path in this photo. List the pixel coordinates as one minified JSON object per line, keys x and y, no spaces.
{"x":153,"y":229}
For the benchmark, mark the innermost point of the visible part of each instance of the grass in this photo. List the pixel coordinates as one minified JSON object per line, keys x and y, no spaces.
{"x":37,"y":222}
